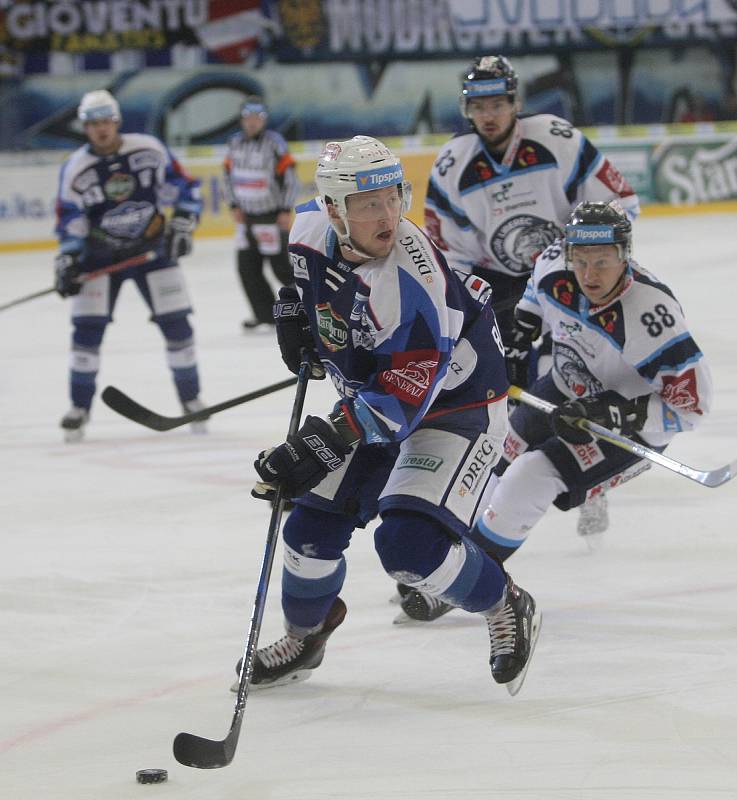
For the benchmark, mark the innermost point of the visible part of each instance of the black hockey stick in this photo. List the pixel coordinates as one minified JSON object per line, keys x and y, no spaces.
{"x":195,"y":751}
{"x":128,"y":407}
{"x":134,"y":261}
{"x":711,"y":478}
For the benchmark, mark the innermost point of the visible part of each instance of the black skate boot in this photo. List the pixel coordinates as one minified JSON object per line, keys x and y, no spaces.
{"x":73,"y":423}
{"x":420,"y":607}
{"x":402,"y":591}
{"x":513,"y":632}
{"x":291,"y":659}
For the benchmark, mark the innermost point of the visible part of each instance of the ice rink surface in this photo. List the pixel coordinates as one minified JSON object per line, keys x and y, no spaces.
{"x":129,"y":564}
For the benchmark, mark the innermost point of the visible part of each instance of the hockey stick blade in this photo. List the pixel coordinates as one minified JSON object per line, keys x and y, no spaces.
{"x":195,"y":751}
{"x":710,"y":478}
{"x":127,"y":407}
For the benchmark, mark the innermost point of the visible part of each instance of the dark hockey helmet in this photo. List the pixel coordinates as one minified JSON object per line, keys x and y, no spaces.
{"x":599,"y":223}
{"x":488,"y":76}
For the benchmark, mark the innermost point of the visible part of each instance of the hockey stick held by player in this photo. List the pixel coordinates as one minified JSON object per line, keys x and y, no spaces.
{"x":196,"y":751}
{"x":83,"y":277}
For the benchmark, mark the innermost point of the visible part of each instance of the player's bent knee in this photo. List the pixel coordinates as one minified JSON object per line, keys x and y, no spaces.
{"x":411,"y":545}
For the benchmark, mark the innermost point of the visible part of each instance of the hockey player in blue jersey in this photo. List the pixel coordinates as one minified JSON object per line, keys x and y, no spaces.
{"x":109,"y":208}
{"x":623,"y":357}
{"x":414,"y":353}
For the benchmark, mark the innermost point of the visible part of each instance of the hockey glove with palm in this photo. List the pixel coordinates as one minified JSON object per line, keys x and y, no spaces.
{"x":293,"y":333}
{"x":67,"y":268}
{"x":299,"y":464}
{"x":608,"y":409}
{"x":179,"y":234}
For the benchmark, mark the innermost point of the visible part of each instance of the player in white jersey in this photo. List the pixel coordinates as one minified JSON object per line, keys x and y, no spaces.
{"x":496,"y":198}
{"x":499,"y":195}
{"x":109,"y":211}
{"x":261,"y":186}
{"x":418,"y":426}
{"x":623,"y":357}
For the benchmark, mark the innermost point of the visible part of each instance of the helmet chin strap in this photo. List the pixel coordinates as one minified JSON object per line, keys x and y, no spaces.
{"x":344,"y":237}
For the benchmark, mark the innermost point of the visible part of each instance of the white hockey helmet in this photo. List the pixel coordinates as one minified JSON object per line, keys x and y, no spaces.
{"x":99,"y":104}
{"x":360,"y":164}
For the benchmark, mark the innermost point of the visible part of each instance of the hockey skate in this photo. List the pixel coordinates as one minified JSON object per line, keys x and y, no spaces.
{"x":418,"y":606}
{"x":291,"y":659}
{"x":402,"y":591}
{"x":73,"y":423}
{"x":192,"y":406}
{"x":513,"y":633}
{"x":593,"y":520}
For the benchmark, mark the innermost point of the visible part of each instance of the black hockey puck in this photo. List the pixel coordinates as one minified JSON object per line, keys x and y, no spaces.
{"x":151,"y":775}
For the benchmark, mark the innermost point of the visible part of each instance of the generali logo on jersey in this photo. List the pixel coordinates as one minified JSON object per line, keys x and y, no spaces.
{"x":411,"y":375}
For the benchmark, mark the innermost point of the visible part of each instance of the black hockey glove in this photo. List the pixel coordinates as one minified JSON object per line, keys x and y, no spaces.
{"x":179,"y":234}
{"x":67,"y":268}
{"x":517,"y":352}
{"x":293,"y":333}
{"x":608,"y":409}
{"x":299,"y":464}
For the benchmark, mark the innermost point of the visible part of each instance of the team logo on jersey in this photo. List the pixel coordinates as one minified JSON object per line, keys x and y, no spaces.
{"x":411,"y":375}
{"x":483,"y":170}
{"x":331,"y":327}
{"x":527,"y":156}
{"x":563,"y":291}
{"x":128,"y":221}
{"x":608,"y":320}
{"x":572,"y":368}
{"x":119,"y":186}
{"x":679,"y":391}
{"x":520,"y":240}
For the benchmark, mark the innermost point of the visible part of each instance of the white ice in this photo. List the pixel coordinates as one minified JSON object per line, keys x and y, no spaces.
{"x":129,"y":564}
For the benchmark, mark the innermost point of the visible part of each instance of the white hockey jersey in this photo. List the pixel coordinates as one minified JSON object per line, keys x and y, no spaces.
{"x":500,"y":216}
{"x":636,"y":344}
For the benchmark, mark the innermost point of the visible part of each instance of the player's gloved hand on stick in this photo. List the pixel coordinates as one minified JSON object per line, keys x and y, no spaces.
{"x":517,"y":351}
{"x":179,"y":234}
{"x":299,"y":464}
{"x":517,"y":357}
{"x":67,"y":268}
{"x":608,"y":409}
{"x":293,"y":333}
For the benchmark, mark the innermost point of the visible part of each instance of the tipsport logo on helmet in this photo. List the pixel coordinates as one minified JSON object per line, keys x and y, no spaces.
{"x":483,"y":88}
{"x":589,"y":234}
{"x":379,"y":178}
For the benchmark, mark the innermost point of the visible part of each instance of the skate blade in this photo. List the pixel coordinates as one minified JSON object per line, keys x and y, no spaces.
{"x":198,"y":428}
{"x":515,"y":685}
{"x":295,"y":677}
{"x":73,"y":435}
{"x":396,"y":599}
